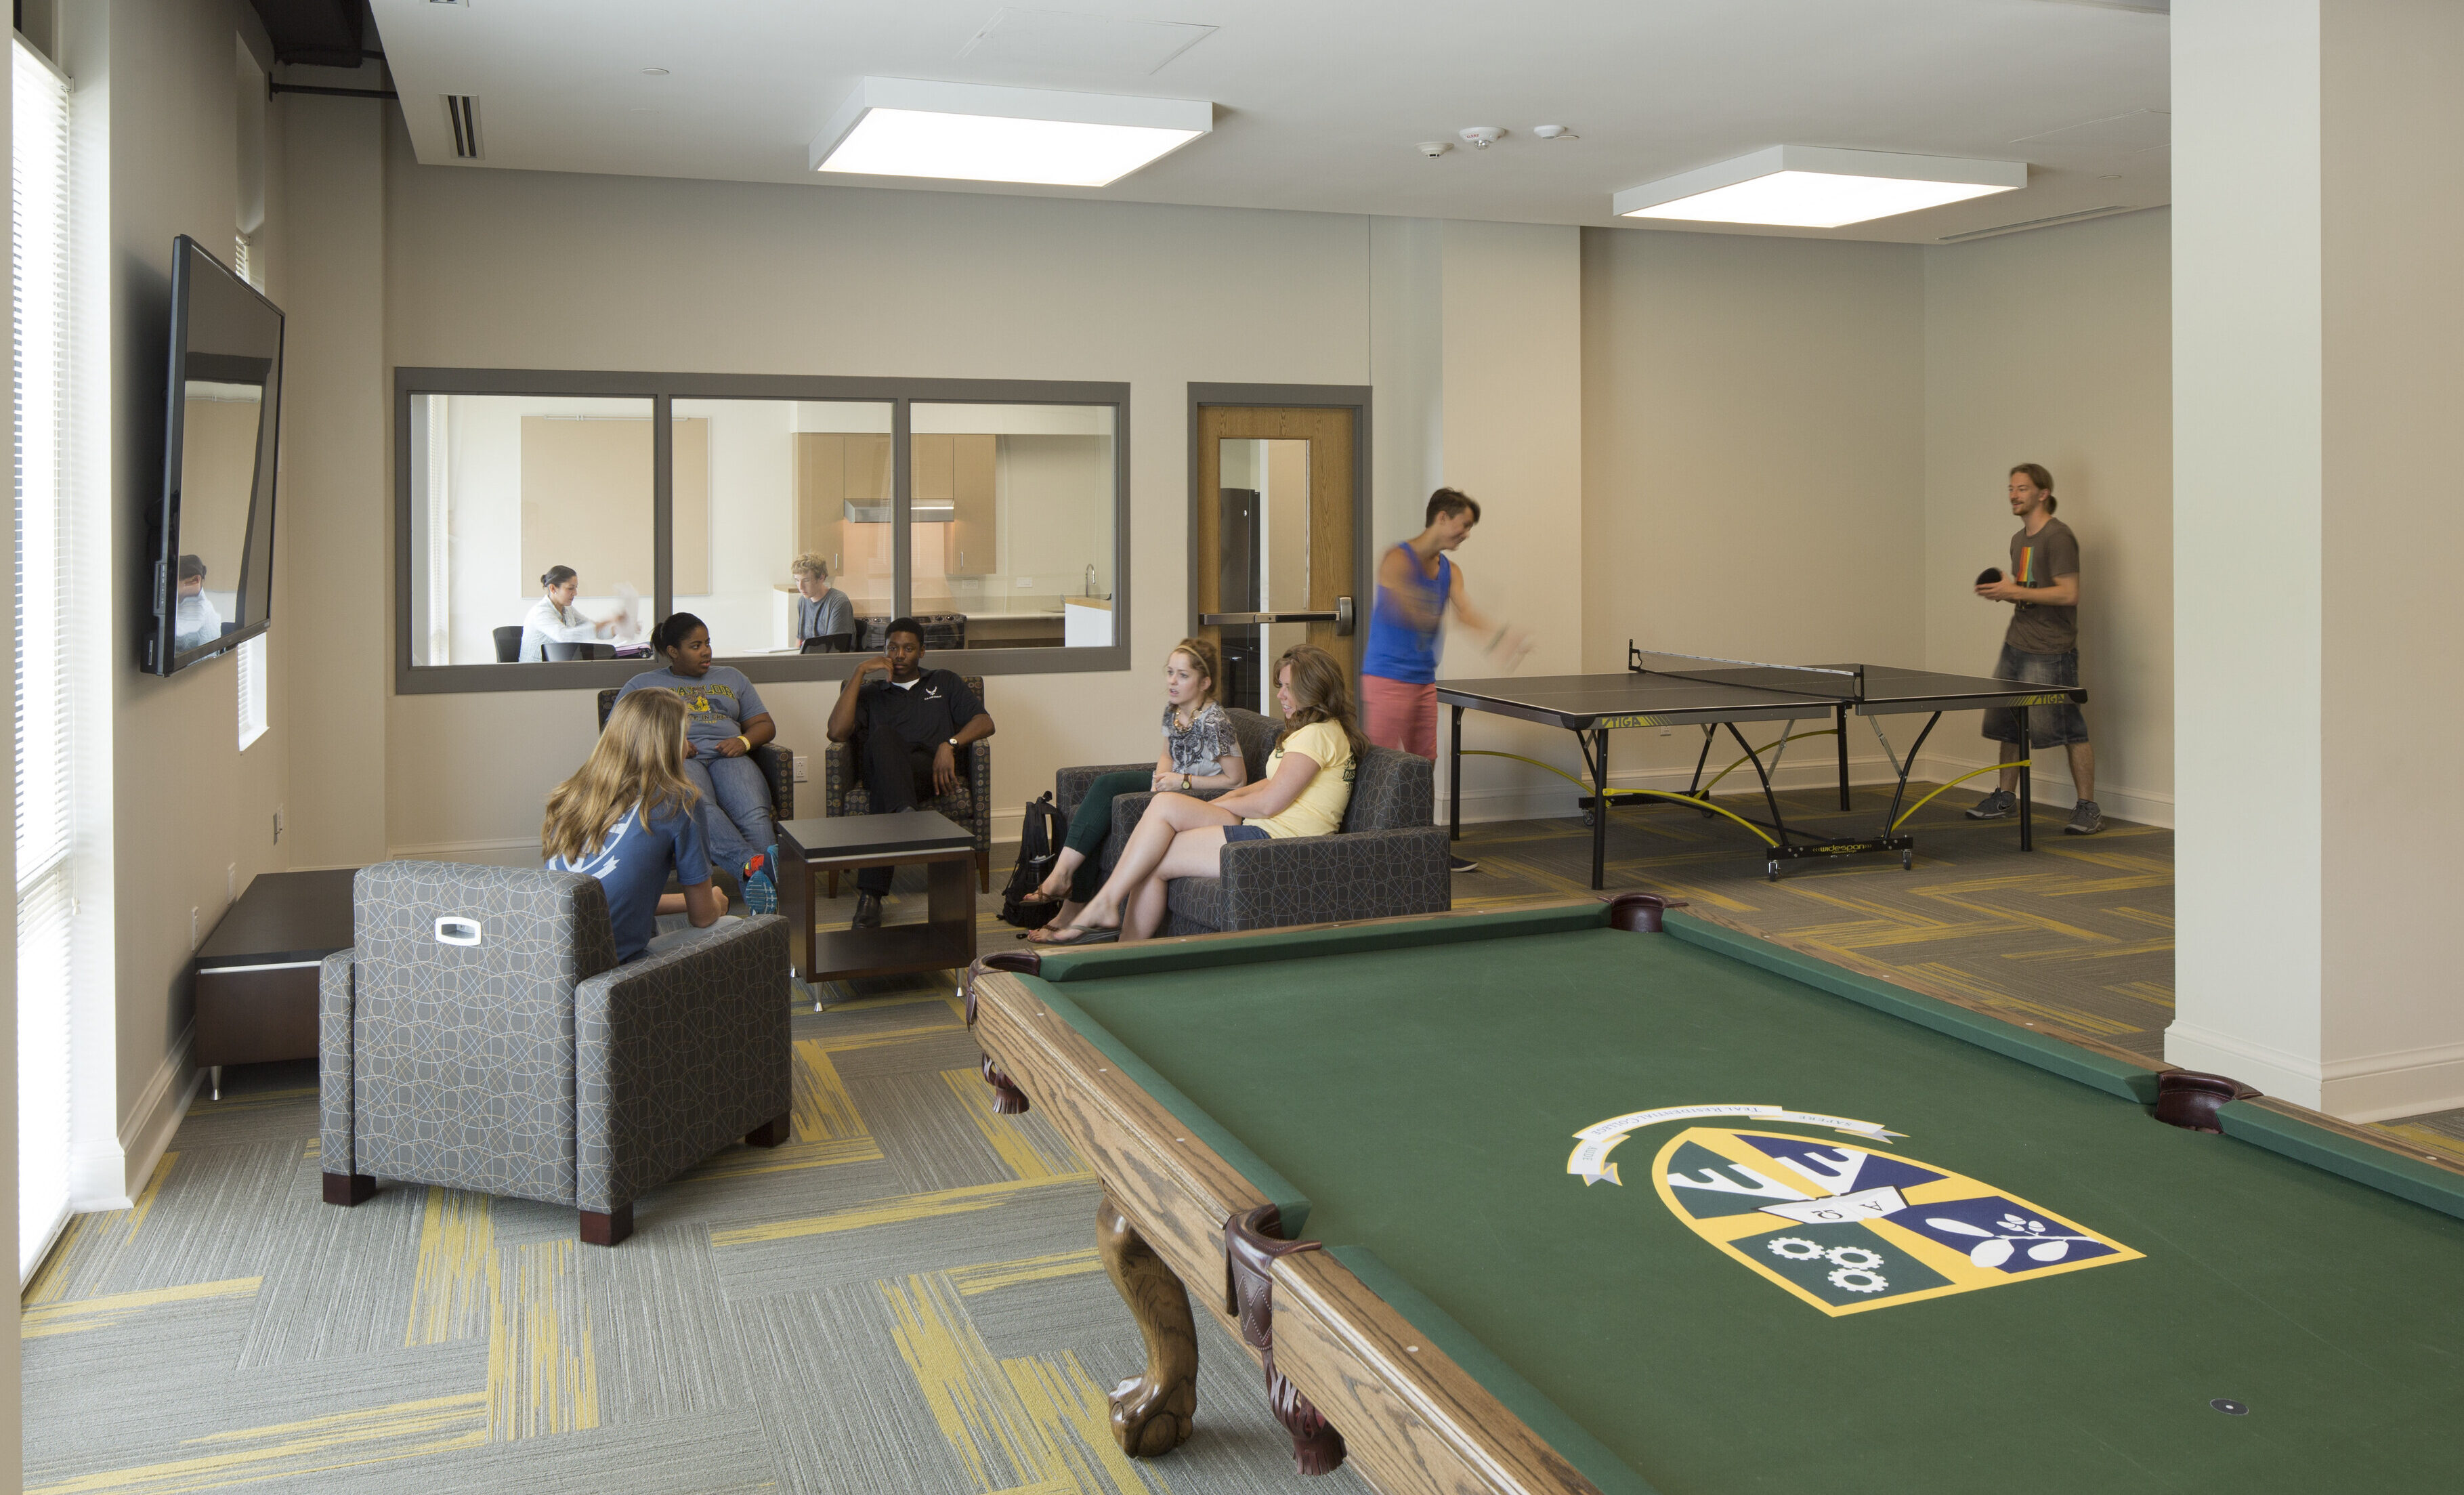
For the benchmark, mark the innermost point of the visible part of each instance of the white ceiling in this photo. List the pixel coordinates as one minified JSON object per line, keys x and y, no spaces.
{"x":1319,"y":102}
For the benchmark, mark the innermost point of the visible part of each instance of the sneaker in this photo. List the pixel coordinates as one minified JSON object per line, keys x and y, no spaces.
{"x":2000,"y":804}
{"x":1462,"y":863}
{"x":867,"y":912}
{"x":760,"y":892}
{"x":2086,"y":820}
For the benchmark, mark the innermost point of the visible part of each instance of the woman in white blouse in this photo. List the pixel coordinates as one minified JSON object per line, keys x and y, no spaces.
{"x":554,"y":620}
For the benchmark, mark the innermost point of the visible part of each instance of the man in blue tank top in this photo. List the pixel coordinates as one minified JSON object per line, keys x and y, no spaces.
{"x":1417,"y":581}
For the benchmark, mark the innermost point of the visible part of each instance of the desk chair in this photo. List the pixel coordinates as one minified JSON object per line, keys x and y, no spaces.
{"x":830,"y":643}
{"x":509,"y":643}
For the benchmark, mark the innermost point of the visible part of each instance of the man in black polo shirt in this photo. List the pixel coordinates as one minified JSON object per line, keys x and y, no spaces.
{"x":908,"y":724}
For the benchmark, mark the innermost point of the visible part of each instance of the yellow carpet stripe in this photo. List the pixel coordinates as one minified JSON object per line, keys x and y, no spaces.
{"x":542,"y":1369}
{"x":972,"y":1402}
{"x":450,"y":1287}
{"x":881,"y":1039}
{"x":745,"y":1162}
{"x":823,"y":1110}
{"x":933,"y":1205}
{"x":1016,"y":1146}
{"x":439,"y":1424}
{"x":1075,"y":1415}
{"x":992,"y":1276}
{"x":116,"y":1309}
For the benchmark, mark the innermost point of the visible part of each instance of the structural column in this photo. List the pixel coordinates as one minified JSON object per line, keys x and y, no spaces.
{"x":2319,"y":196}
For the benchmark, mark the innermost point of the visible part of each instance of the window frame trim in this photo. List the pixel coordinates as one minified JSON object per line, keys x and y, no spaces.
{"x":662,"y":389}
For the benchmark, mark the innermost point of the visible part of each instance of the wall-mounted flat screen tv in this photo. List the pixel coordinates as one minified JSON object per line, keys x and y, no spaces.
{"x":211,"y":582}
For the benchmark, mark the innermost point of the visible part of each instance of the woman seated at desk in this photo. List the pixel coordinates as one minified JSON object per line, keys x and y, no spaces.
{"x":822,"y":610}
{"x":554,"y":619}
{"x":1307,"y":790}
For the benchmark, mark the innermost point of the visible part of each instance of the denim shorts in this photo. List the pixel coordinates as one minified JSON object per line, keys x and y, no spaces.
{"x":2048,"y":726}
{"x":1238,"y":833}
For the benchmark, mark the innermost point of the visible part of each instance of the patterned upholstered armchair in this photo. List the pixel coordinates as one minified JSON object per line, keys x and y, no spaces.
{"x":1257,"y":734}
{"x":481,"y":1035}
{"x":775,"y":758}
{"x":971,"y":806}
{"x":1386,"y":860}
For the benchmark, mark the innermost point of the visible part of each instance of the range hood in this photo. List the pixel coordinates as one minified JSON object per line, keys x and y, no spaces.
{"x":928,"y":513}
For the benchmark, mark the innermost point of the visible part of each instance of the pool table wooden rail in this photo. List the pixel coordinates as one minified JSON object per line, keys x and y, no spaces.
{"x":1413,"y":1421}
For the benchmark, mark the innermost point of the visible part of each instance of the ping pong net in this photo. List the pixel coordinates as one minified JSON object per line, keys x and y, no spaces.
{"x":1833,"y":683}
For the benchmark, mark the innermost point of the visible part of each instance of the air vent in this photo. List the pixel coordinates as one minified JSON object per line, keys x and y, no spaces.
{"x":2081,"y":216}
{"x":462,"y":112}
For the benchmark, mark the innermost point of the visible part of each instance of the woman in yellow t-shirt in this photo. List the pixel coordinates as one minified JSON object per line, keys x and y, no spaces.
{"x":1306,"y":787}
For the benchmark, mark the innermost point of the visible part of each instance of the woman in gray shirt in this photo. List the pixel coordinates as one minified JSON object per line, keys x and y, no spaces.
{"x":1201,"y":751}
{"x":822,"y":609}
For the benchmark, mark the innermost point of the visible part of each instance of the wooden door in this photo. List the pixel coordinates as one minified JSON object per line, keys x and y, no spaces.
{"x":1334,"y":578}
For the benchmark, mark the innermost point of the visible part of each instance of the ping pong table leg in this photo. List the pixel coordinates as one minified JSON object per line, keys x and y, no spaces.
{"x":2026,"y":790}
{"x":1600,"y":761}
{"x":1839,"y":730}
{"x":1454,"y":779}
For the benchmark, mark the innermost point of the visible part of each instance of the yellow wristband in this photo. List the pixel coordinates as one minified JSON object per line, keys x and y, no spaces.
{"x":747,"y":742}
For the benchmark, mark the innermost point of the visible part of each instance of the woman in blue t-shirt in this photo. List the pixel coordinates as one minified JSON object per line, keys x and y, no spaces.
{"x":626,"y":819}
{"x":725,"y":721}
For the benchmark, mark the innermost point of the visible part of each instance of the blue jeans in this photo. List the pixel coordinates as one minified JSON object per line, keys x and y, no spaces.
{"x":735,"y":809}
{"x":2048,"y":726}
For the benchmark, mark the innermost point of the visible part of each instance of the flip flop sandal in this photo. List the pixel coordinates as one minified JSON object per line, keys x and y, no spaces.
{"x":1084,"y":936}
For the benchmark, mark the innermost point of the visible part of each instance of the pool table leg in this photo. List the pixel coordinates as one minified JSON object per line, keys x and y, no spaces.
{"x":1151,"y":1412}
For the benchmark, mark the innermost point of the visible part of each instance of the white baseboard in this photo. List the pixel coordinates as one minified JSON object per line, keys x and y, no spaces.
{"x":2409,"y":1082}
{"x":111,"y":1178}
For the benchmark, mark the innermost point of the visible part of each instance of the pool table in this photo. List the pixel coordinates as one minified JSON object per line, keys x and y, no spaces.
{"x":1609,"y":1197}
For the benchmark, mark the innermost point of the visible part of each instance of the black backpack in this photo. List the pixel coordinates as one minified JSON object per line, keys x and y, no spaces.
{"x":1038,"y":842}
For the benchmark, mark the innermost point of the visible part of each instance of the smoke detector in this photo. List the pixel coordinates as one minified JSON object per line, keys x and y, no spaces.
{"x":1480,"y":137}
{"x":1433,"y":149}
{"x":1555,"y":132}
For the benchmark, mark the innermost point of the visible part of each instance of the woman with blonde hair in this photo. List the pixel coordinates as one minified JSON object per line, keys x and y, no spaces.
{"x":626,"y":816}
{"x":1201,"y":751}
{"x":1307,"y":789}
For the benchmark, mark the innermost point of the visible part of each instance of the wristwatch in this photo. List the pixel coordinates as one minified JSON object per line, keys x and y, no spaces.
{"x":1185,"y":783}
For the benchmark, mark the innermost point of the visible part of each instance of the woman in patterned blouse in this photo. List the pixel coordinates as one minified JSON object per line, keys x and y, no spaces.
{"x":1199,"y":752}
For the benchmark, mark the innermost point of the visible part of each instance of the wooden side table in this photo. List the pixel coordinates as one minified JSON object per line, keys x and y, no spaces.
{"x":257,"y":973}
{"x":946,"y":940}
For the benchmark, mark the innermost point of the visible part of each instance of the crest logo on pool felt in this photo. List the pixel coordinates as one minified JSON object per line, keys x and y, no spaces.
{"x":1843,"y":1227}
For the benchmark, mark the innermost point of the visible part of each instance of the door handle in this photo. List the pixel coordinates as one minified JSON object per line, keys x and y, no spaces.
{"x":1341,"y":617}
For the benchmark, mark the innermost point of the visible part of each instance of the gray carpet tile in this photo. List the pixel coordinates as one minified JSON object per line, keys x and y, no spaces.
{"x":911,"y":1233}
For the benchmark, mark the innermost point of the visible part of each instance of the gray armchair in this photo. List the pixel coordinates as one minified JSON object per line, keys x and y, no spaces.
{"x":1386,"y":860}
{"x":481,"y":1035}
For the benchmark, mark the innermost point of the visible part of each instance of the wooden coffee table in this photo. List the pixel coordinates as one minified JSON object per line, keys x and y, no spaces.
{"x":946,"y":939}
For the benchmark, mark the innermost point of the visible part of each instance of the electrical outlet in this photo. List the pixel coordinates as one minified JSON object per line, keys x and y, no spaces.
{"x":1663,"y":732}
{"x":277,"y":824}
{"x":801,"y":759}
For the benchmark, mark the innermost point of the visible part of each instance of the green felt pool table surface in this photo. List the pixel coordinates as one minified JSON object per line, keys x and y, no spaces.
{"x":1412,"y":1104}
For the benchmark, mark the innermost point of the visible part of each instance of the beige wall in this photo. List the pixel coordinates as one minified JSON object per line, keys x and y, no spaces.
{"x":2055,"y":347}
{"x":1754,"y":464}
{"x":191,"y":816}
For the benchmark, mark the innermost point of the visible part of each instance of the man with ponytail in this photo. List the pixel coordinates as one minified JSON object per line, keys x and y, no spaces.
{"x":2041,"y":646}
{"x":627,"y":818}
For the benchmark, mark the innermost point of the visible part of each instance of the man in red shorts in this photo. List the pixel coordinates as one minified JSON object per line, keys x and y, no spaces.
{"x":1417,"y":581}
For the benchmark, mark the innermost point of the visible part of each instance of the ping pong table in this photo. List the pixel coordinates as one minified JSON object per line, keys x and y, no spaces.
{"x":1681,"y":690}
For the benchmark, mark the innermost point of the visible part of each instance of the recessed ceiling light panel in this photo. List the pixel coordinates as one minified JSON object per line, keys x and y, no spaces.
{"x":909,"y":127}
{"x":1809,"y":187}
